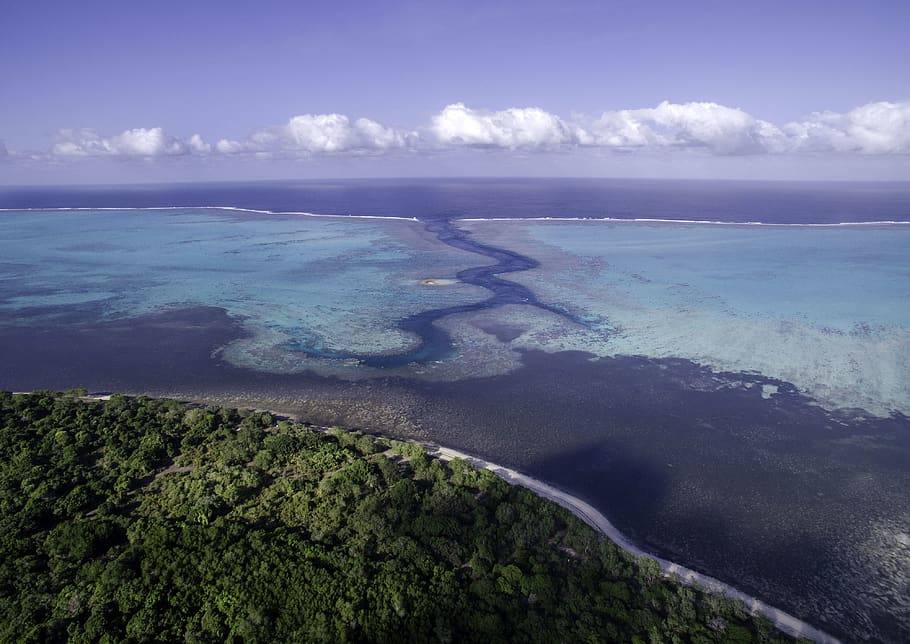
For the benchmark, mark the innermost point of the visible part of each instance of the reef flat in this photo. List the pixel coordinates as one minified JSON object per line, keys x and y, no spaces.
{"x":824,"y":308}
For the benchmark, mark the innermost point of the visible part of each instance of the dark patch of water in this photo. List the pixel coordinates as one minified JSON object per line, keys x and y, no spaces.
{"x":778,"y":497}
{"x":435,"y":343}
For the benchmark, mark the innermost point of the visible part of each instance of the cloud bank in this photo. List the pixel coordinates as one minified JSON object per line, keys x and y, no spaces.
{"x":716,"y":128}
{"x":528,"y":127}
{"x":138,"y":142}
{"x":875,"y":128}
{"x":310,"y":134}
{"x":881,"y":128}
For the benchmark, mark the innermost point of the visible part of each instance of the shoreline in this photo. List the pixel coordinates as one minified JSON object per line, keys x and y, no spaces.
{"x":782,"y":620}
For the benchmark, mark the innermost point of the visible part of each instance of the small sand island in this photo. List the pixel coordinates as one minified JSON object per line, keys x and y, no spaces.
{"x":437,"y":281}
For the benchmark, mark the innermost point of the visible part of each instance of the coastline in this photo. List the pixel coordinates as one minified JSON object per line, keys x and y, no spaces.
{"x":783,"y":621}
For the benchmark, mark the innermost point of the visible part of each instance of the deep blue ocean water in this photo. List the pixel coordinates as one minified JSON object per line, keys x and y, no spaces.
{"x":737,"y":201}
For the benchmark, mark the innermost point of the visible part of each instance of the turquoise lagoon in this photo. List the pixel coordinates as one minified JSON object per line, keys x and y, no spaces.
{"x":303,"y":286}
{"x":825,"y":308}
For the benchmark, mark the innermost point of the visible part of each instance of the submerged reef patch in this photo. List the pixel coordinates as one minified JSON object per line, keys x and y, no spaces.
{"x":823,"y":308}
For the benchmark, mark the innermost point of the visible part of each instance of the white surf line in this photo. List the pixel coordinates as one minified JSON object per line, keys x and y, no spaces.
{"x":228,"y":208}
{"x":782,"y":620}
{"x":639,"y":220}
{"x":701,"y":222}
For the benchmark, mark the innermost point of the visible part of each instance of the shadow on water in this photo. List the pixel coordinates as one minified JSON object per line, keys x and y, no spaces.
{"x":776,"y":496}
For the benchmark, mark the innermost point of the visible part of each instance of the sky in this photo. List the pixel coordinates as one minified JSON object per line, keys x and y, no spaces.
{"x":109,"y":92}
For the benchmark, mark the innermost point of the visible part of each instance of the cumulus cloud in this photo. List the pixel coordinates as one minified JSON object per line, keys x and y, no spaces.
{"x":196,"y":145}
{"x":309,"y":134}
{"x":717,"y":128}
{"x":874,"y":128}
{"x":228,"y":146}
{"x":138,"y":142}
{"x":526,"y":127}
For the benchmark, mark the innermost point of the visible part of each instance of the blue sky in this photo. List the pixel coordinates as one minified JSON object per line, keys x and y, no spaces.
{"x":115,"y":91}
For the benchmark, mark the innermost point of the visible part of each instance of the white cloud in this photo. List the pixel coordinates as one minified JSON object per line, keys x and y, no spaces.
{"x":335,"y":133}
{"x":319,"y":133}
{"x":228,"y":146}
{"x":309,"y":134}
{"x":874,"y":128}
{"x":376,"y":135}
{"x":716,"y":128}
{"x":138,"y":142}
{"x":3,"y":151}
{"x":527,"y":127}
{"x":197,"y":145}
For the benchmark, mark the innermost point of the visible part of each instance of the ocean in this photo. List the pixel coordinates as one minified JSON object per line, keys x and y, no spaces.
{"x":736,"y":201}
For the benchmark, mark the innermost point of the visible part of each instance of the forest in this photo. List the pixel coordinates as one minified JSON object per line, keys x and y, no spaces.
{"x":137,"y":519}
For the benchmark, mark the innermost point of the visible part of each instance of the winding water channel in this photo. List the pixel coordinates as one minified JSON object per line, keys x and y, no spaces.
{"x":435,"y":343}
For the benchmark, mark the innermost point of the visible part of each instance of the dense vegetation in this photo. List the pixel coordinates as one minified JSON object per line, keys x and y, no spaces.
{"x":138,"y":519}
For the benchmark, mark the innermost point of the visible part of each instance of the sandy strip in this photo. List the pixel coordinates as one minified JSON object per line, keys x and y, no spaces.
{"x":784,"y":621}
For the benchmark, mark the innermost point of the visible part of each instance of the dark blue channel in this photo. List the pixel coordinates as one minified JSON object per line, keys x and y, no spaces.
{"x":435,"y":343}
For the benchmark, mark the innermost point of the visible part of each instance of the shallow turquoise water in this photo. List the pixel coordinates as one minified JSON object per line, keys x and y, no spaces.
{"x":831,"y":277}
{"x":826,"y":308}
{"x":298,"y":282}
